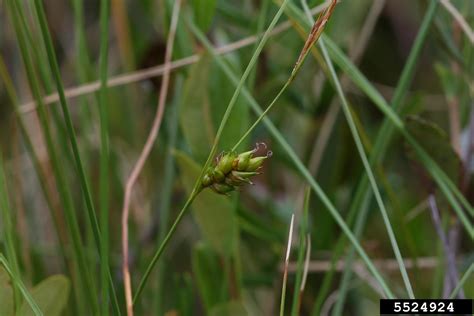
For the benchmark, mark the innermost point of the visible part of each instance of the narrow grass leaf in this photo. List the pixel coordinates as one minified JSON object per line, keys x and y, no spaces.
{"x":59,"y":173}
{"x":368,"y":170}
{"x":104,"y":158}
{"x":19,"y":283}
{"x":39,"y":10}
{"x":466,"y":276}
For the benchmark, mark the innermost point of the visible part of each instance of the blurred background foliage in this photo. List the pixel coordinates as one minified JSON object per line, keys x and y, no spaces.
{"x":226,"y":258}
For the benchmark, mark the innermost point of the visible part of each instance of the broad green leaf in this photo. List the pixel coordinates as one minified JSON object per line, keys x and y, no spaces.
{"x":229,"y":309}
{"x":6,"y":294}
{"x":213,"y":213}
{"x":204,"y":11}
{"x":51,"y":295}
{"x":195,"y":112}
{"x":436,"y":143}
{"x":209,"y":275}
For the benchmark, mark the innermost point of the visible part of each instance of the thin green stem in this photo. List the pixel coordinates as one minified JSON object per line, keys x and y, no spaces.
{"x":163,"y":245}
{"x":39,"y":9}
{"x":260,"y":118}
{"x":104,"y":156}
{"x":241,"y":84}
{"x":264,"y":6}
{"x":461,"y":282}
{"x":313,"y":37}
{"x":303,"y":243}
{"x":69,"y":126}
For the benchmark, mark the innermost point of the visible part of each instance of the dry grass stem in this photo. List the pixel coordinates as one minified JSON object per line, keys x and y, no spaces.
{"x":306,"y":262}
{"x":459,"y":19}
{"x":314,"y":34}
{"x":285,"y":270}
{"x":144,"y":156}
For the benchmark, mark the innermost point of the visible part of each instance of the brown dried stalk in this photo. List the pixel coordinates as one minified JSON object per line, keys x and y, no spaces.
{"x":144,"y":156}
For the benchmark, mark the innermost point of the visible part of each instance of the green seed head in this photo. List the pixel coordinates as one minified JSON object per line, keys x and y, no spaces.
{"x":224,"y":164}
{"x":234,"y":170}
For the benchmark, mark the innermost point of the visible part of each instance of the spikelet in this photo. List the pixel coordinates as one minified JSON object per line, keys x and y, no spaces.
{"x":233,"y":170}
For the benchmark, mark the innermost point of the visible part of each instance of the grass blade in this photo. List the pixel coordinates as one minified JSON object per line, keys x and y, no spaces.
{"x":368,"y":169}
{"x":64,"y":193}
{"x":104,"y":156}
{"x":16,"y":279}
{"x":300,"y":270}
{"x":461,"y":282}
{"x":285,"y":271}
{"x":39,"y":10}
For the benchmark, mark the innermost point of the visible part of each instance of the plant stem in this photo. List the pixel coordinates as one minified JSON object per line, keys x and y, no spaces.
{"x":104,"y":156}
{"x":164,"y":243}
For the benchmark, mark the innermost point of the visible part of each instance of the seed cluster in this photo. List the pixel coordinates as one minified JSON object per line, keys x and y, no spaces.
{"x":233,"y":170}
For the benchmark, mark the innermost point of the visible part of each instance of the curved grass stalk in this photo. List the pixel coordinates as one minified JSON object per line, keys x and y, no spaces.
{"x":197,"y":186}
{"x":368,"y":169}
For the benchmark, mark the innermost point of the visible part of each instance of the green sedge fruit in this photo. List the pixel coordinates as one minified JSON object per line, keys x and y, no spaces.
{"x":225,"y":163}
{"x":222,"y":188}
{"x":233,"y":170}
